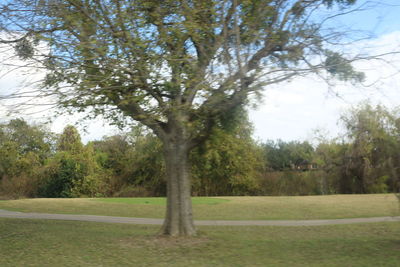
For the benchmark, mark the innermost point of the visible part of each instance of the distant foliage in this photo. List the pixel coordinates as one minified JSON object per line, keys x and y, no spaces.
{"x":372,"y":159}
{"x":73,"y":170}
{"x":37,"y":163}
{"x":282,"y":155}
{"x":227,"y":164}
{"x":70,"y":140}
{"x":23,"y":151}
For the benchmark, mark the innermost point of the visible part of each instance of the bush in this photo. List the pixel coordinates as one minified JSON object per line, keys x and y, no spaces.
{"x":22,"y":181}
{"x":73,"y":175}
{"x":22,"y":186}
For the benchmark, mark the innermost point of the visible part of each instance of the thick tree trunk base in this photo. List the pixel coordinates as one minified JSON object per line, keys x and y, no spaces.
{"x":181,"y":230}
{"x":179,"y":218}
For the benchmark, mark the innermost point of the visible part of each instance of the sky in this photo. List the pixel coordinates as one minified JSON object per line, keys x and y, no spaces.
{"x":295,"y":110}
{"x":379,"y":16}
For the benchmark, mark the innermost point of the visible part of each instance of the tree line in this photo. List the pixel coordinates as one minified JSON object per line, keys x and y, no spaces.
{"x":34,"y":162}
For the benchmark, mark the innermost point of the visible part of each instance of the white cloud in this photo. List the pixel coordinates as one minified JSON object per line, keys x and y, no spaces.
{"x":292,"y":110}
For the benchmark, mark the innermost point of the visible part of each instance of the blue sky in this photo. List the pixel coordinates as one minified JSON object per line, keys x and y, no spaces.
{"x":379,"y":17}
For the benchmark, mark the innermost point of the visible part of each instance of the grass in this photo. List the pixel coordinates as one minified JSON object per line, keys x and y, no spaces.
{"x":161,"y":200}
{"x":224,"y":208}
{"x":69,"y":243}
{"x":66,"y":243}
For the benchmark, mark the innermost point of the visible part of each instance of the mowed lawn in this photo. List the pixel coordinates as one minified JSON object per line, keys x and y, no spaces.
{"x":224,"y":208}
{"x":66,"y":243}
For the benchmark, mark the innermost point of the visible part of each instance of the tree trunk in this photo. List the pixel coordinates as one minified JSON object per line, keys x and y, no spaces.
{"x":178,"y":220}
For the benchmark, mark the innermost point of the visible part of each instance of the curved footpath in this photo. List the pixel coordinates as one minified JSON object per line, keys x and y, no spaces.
{"x":129,"y":220}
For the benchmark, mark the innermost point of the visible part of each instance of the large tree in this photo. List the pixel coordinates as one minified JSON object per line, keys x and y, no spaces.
{"x":175,"y":66}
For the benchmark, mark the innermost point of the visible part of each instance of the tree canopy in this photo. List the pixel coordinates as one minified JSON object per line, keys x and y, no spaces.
{"x":148,"y":59}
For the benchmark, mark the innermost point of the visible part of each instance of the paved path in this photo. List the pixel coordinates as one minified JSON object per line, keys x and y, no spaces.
{"x":109,"y":219}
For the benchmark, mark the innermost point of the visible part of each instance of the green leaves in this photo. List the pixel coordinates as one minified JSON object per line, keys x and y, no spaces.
{"x":141,"y":57}
{"x":70,"y":141}
{"x":373,"y":158}
{"x":281,"y":155}
{"x":24,"y":49}
{"x":73,"y":171}
{"x":24,"y":149}
{"x":341,"y":68}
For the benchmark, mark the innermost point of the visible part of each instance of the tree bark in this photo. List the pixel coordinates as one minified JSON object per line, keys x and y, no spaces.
{"x":179,"y":219}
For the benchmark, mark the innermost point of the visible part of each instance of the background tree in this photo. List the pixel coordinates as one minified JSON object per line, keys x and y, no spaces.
{"x":73,"y":171}
{"x":175,"y":66}
{"x":330,"y":155}
{"x":24,"y":149}
{"x":282,"y":155}
{"x":372,"y":159}
{"x":70,"y":140}
{"x":112,"y":154}
{"x":230,"y":162}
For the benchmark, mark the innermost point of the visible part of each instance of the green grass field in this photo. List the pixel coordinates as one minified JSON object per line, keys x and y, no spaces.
{"x":224,"y":208}
{"x":66,"y":243}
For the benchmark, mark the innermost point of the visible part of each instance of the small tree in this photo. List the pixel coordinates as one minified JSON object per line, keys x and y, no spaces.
{"x":70,"y":140}
{"x":372,"y":159}
{"x":175,"y":66}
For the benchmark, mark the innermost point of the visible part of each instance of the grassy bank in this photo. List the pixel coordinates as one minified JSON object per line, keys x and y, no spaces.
{"x":224,"y":208}
{"x":62,"y":243}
